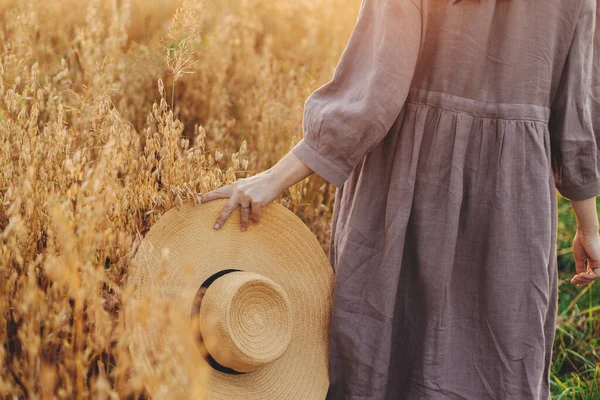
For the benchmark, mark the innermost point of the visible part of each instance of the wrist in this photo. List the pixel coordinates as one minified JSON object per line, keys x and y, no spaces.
{"x":587,"y":226}
{"x":587,"y":231}
{"x":275,"y":179}
{"x":586,"y":216}
{"x":289,"y":171}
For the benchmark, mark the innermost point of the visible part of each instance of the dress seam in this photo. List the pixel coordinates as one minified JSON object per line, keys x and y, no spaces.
{"x":492,"y":103}
{"x":471,"y":115}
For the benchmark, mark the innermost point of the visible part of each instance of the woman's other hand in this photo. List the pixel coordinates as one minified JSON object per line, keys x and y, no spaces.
{"x":250,"y":194}
{"x":586,"y":246}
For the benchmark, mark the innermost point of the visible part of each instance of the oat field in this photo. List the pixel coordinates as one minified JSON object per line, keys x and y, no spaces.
{"x":113,"y":112}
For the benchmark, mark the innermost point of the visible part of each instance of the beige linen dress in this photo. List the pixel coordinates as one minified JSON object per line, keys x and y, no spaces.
{"x":447,"y":128}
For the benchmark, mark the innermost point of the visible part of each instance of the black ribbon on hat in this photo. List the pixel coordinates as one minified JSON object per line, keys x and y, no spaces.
{"x":196,"y":310}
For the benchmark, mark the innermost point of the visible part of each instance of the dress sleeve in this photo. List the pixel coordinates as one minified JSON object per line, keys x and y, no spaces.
{"x":575,"y":118}
{"x":348,"y":116}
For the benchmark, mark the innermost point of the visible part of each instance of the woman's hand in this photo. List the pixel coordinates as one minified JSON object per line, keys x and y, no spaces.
{"x":586,"y":246}
{"x":250,"y":194}
{"x":255,"y":192}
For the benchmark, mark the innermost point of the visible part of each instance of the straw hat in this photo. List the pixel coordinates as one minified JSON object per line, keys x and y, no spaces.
{"x":262,"y":300}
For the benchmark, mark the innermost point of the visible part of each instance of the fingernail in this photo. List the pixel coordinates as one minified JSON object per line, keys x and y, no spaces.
{"x":243,"y":229}
{"x":217,"y":226}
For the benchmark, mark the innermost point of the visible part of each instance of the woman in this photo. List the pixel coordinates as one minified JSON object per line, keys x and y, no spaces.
{"x":447,"y":128}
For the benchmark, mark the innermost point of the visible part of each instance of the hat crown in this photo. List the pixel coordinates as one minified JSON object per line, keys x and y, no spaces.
{"x":245,"y":320}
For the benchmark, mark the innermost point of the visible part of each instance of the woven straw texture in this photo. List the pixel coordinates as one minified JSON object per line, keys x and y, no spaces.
{"x":246,"y":321}
{"x":180,"y":252}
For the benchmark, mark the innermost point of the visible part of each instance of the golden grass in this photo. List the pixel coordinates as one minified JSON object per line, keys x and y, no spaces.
{"x":111,"y":113}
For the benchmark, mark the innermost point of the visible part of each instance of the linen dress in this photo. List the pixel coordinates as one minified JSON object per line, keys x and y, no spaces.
{"x":447,"y":129}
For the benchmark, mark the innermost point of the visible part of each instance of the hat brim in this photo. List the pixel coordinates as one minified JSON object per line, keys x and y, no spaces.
{"x":282,"y":248}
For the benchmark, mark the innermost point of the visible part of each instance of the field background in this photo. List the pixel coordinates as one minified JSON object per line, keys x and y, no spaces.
{"x":114,"y":111}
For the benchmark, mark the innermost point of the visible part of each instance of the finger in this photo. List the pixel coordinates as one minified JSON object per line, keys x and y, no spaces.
{"x":255,"y":213}
{"x":578,"y":276}
{"x":579,"y":281}
{"x":582,"y":279}
{"x":592,"y":271}
{"x":245,"y":214}
{"x":580,"y":284}
{"x":219,"y":193}
{"x":584,"y":283}
{"x":590,"y":276}
{"x":587,"y":275}
{"x":226,"y":212}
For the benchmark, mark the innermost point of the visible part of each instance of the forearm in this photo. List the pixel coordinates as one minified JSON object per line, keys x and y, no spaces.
{"x":289,"y":171}
{"x":587,"y":216}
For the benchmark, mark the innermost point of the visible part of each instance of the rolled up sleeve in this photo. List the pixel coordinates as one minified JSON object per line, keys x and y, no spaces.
{"x":348,"y":116}
{"x":575,"y":120}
